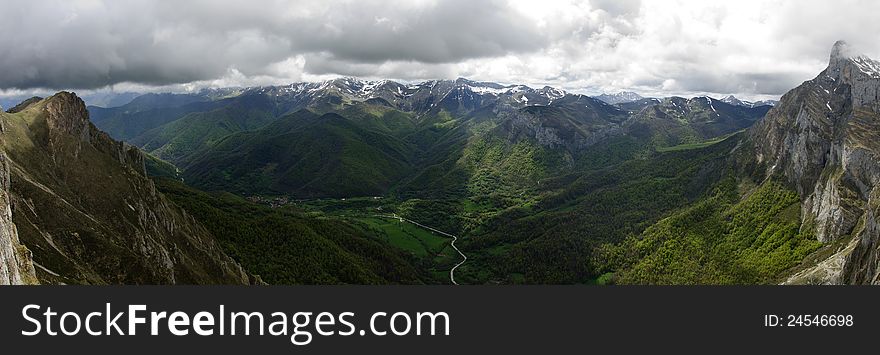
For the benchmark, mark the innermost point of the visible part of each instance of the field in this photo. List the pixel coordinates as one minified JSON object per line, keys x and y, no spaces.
{"x":418,"y":241}
{"x":431,"y":250}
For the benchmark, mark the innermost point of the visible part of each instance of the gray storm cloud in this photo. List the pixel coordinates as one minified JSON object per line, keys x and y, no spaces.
{"x":92,"y":44}
{"x":656,"y":47}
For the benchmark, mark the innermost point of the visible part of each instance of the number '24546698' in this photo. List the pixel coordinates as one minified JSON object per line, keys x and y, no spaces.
{"x":808,"y":320}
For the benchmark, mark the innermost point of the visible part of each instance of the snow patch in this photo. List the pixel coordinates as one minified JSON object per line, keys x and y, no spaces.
{"x":867,"y":66}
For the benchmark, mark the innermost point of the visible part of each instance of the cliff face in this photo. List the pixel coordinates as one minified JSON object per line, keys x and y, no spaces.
{"x":16,"y":267}
{"x":824,"y":138}
{"x":83,"y":204}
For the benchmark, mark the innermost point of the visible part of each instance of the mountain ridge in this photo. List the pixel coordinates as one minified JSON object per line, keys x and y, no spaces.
{"x":620,"y":97}
{"x":822,"y":138}
{"x":83,"y":205}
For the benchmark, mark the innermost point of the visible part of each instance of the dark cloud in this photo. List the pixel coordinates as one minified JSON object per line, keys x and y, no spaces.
{"x":449,"y":31}
{"x":660,"y":47}
{"x":89,"y":44}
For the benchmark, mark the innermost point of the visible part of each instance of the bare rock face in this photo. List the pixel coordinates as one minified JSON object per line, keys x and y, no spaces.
{"x":66,"y":116}
{"x":573,"y":123}
{"x":824,"y":138}
{"x":83,"y":204}
{"x":16,"y":267}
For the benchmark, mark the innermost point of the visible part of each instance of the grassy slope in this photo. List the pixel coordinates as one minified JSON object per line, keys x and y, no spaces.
{"x":284,"y":246}
{"x":305,"y":155}
{"x":720,"y":240}
{"x":178,"y":140}
{"x":671,"y":219}
{"x":129,"y":121}
{"x":553,"y":240}
{"x":419,"y":242}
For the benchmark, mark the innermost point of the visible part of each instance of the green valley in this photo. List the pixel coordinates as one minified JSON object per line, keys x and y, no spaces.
{"x":543,"y":193}
{"x":350,"y":181}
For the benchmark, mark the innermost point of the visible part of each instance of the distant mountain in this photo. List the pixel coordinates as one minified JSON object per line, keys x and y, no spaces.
{"x":96,"y":99}
{"x":704,"y":117}
{"x":637,"y":105}
{"x":109,"y":99}
{"x":456,"y":96}
{"x":619,"y":98}
{"x":428,"y":122}
{"x":730,"y":99}
{"x":173,"y":126}
{"x":765,"y":103}
{"x":734,"y":101}
{"x":151,"y":110}
{"x":180,"y":138}
{"x":408,"y":136}
{"x":307,"y":155}
{"x":24,"y":104}
{"x":509,"y":152}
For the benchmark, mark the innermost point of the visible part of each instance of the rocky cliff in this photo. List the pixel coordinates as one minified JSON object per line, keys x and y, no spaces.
{"x":83,"y":205}
{"x":824,"y":139}
{"x":16,"y":267}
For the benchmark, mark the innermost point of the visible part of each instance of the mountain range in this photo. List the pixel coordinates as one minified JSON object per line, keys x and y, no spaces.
{"x":288,"y":184}
{"x":620,"y":97}
{"x":737,"y":102}
{"x":410,"y":128}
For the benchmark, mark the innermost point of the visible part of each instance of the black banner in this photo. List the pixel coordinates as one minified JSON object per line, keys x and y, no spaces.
{"x":486,"y":319}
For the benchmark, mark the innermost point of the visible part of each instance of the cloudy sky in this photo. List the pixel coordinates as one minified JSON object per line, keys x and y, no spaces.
{"x":755,"y":49}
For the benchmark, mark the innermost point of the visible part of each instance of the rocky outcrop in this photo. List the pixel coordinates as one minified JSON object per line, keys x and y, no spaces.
{"x":573,"y":123}
{"x":83,"y":204}
{"x":548,"y":130}
{"x":66,"y":116}
{"x":824,"y":138}
{"x":16,"y":267}
{"x":704,"y":117}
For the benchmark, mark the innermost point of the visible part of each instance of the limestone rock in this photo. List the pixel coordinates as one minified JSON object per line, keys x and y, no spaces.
{"x":16,"y":266}
{"x":824,"y":138}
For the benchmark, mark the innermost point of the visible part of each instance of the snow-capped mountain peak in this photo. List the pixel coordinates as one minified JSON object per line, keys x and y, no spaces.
{"x":620,"y":97}
{"x":732,"y":100}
